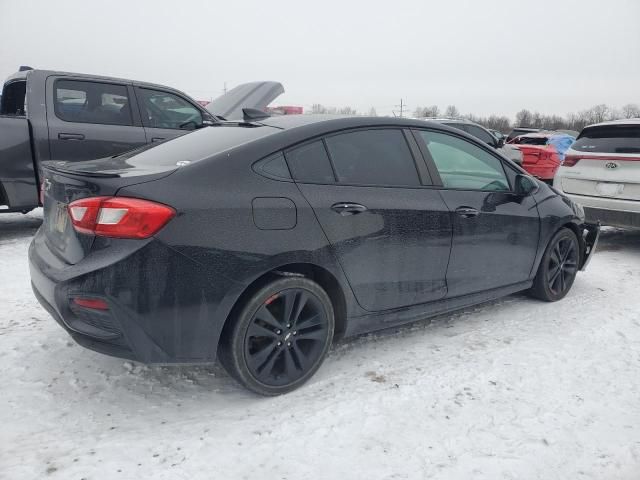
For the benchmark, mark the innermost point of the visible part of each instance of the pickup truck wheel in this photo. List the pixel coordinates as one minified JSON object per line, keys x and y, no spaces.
{"x":558,"y":267}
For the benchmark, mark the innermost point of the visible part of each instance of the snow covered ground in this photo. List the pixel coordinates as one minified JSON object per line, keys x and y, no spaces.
{"x":515,"y":389}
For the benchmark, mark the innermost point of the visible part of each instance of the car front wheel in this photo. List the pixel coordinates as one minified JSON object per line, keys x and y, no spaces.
{"x":280,"y":336}
{"x":558,"y":267}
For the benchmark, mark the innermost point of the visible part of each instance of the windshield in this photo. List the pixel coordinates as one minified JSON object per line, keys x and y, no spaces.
{"x":609,"y":139}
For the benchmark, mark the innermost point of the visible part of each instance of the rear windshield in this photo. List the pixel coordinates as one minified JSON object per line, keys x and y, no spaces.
{"x":531,"y":141}
{"x":609,"y":139}
{"x":198,"y":145}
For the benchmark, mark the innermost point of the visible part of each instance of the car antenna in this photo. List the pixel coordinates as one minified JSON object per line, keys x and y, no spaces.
{"x":24,"y":68}
{"x":252,"y":114}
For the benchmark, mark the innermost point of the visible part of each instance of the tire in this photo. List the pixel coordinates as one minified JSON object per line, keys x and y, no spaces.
{"x":558,"y":267}
{"x":271,"y":352}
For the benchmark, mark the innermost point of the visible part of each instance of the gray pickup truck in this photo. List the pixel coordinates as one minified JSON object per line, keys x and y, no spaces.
{"x":48,"y":115}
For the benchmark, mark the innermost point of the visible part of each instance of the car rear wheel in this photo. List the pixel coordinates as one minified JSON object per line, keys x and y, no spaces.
{"x":280,"y":336}
{"x":558,"y":267}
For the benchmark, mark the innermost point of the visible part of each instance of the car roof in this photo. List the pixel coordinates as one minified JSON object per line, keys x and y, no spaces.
{"x":622,"y":121}
{"x":327,"y":122}
{"x":46,"y":73}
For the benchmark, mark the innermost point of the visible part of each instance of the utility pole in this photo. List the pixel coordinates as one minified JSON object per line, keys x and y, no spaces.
{"x":225,"y":87}
{"x":402,"y":106}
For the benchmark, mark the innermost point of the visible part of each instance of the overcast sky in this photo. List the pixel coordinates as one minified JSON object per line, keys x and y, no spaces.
{"x":491,"y":56}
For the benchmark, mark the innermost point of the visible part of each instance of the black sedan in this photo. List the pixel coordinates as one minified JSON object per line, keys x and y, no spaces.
{"x":259,"y":242}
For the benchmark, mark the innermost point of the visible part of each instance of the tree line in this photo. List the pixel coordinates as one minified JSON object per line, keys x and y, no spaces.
{"x":524,"y":118}
{"x":527,"y":118}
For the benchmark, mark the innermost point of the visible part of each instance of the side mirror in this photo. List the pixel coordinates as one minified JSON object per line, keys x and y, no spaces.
{"x":525,"y":185}
{"x":500,"y":143}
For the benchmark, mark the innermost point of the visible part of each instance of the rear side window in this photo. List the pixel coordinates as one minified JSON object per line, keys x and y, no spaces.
{"x":92,"y":102}
{"x":373,"y":157}
{"x":310,"y":163}
{"x":609,"y":139}
{"x":463,"y":165}
{"x":13,"y":99}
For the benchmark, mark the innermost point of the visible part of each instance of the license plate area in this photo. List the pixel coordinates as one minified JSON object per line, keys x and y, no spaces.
{"x":608,"y":189}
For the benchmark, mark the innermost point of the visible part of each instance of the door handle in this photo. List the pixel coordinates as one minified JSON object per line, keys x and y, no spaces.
{"x":157,"y":139}
{"x":70,"y":136}
{"x":467,"y":212}
{"x":347,"y":208}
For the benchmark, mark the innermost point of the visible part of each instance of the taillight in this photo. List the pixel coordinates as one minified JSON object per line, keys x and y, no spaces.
{"x":92,"y":303}
{"x":570,"y":160}
{"x":119,"y":217}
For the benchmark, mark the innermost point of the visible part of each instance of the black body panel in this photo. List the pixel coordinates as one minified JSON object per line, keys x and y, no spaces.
{"x":405,"y":257}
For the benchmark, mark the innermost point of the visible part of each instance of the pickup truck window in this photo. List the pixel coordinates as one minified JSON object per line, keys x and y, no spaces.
{"x":166,"y":110}
{"x":92,"y":102}
{"x":13,"y":99}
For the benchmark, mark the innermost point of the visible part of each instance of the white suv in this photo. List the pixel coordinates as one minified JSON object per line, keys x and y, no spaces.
{"x":601,"y":171}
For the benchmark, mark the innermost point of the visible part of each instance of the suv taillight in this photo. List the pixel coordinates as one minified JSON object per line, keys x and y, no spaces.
{"x":119,"y":217}
{"x":570,"y":160}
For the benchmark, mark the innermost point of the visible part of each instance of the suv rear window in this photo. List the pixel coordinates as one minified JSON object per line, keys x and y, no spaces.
{"x":609,"y":139}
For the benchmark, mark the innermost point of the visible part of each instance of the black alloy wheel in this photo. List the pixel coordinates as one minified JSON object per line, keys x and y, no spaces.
{"x":562,"y":266}
{"x":281,"y":336}
{"x":558,"y":267}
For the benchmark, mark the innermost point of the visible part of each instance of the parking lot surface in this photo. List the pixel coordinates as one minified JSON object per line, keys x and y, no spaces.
{"x":513,"y":389}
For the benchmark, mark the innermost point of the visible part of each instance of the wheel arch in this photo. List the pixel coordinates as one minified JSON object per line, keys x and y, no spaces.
{"x":320,"y":275}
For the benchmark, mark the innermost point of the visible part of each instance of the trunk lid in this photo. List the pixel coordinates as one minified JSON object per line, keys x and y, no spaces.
{"x":605,"y":162}
{"x":64,"y":182}
{"x":602,"y":175}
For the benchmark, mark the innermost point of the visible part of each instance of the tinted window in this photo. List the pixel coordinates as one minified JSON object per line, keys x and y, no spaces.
{"x":92,"y":102}
{"x":199,"y":145}
{"x":464,"y":165}
{"x":166,"y":110}
{"x":13,"y":98}
{"x":310,"y":163}
{"x":373,"y":157}
{"x":273,"y":166}
{"x":609,"y":139}
{"x":483,"y":135}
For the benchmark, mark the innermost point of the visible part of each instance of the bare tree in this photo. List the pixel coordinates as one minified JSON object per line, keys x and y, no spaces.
{"x":451,"y":112}
{"x":524,"y":118}
{"x":318,"y":108}
{"x":372,"y":112}
{"x":630,"y":110}
{"x":347,"y":111}
{"x":432,"y":111}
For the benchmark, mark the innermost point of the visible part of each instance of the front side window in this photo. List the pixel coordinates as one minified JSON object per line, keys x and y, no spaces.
{"x":166,"y":110}
{"x":463,"y":165}
{"x":92,"y":102}
{"x":373,"y":157}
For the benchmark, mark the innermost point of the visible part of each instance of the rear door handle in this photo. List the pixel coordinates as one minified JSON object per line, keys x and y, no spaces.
{"x":70,"y":136}
{"x":157,"y":139}
{"x":467,"y":212}
{"x":347,"y":208}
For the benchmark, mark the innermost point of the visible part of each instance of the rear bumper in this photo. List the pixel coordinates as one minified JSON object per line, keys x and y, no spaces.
{"x":163,"y":307}
{"x":614,"y":218}
{"x":609,"y":211}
